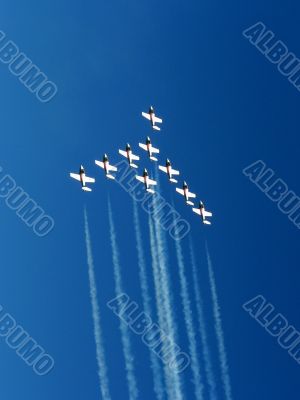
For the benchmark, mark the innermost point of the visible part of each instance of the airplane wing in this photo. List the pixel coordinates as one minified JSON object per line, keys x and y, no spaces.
{"x":140,"y":178}
{"x":174,"y":172}
{"x":159,"y":120}
{"x":134,"y":157}
{"x":75,"y":176}
{"x":89,"y":180}
{"x":123,"y":153}
{"x":197,"y":211}
{"x":99,"y":163}
{"x":192,"y":195}
{"x":112,"y":168}
{"x":151,"y":182}
{"x":163,"y":169}
{"x":180,"y":191}
{"x":145,"y":115}
{"x":207,"y":214}
{"x":143,"y":146}
{"x":154,"y":150}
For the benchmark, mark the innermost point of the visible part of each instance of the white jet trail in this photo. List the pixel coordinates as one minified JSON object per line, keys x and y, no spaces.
{"x":130,"y":373}
{"x":218,"y":328}
{"x":102,"y":370}
{"x":160,"y":303}
{"x":188,"y":319}
{"x":202,"y":329}
{"x":155,"y":365}
{"x":161,"y":247}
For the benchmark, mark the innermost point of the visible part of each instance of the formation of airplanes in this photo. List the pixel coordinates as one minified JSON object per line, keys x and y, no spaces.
{"x":110,"y":170}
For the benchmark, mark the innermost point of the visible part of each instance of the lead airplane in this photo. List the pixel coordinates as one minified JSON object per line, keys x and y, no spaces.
{"x":169,"y":171}
{"x":203,"y":213}
{"x":146,"y":181}
{"x":149,"y":148}
{"x":104,"y":164}
{"x":81,"y":177}
{"x":186,"y":193}
{"x":130,"y":157}
{"x":152,"y":118}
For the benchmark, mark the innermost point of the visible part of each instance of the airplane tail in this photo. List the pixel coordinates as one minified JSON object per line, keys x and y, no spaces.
{"x":150,"y":191}
{"x":156,"y":128}
{"x":153,"y":158}
{"x":109,"y":176}
{"x":86,"y":189}
{"x":190,"y":203}
{"x":206,"y":222}
{"x":133,"y":165}
{"x":173,"y":180}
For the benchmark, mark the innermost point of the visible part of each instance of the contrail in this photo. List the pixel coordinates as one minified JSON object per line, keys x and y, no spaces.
{"x":157,"y":376}
{"x":102,"y":370}
{"x":202,"y":329}
{"x":160,"y":303}
{"x":188,"y":319}
{"x":132,"y":385}
{"x":218,"y":328}
{"x":161,"y":247}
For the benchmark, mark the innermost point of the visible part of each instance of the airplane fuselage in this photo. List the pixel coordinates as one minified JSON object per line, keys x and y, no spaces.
{"x":149,"y":149}
{"x":168,"y":166}
{"x":146,"y":182}
{"x":186,"y":193}
{"x":152,"y":117}
{"x":82,"y":178}
{"x":202,"y":209}
{"x":129,"y":153}
{"x":105,"y":163}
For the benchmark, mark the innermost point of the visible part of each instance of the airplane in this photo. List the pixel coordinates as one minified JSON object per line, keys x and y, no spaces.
{"x":203,"y":213}
{"x":169,"y":170}
{"x":106,"y":166}
{"x":186,"y":193}
{"x":149,"y":148}
{"x":152,"y":118}
{"x":146,"y":181}
{"x":81,"y":177}
{"x":130,"y":157}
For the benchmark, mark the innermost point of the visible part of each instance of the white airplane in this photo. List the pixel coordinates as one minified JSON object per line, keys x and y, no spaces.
{"x":203,"y":213}
{"x":106,"y":166}
{"x":169,"y":170}
{"x":146,"y":181}
{"x":149,"y":148}
{"x":186,"y":193}
{"x":81,"y":177}
{"x":152,"y":118}
{"x":130,"y":157}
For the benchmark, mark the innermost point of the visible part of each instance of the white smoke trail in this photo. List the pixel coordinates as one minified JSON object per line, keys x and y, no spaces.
{"x":202,"y":329}
{"x":218,"y":328}
{"x":160,"y":303}
{"x":157,"y":376}
{"x":102,"y":370}
{"x":130,"y":373}
{"x":161,"y":248}
{"x":188,"y":319}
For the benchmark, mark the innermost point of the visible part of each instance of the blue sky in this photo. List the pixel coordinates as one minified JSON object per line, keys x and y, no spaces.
{"x":224,"y":106}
